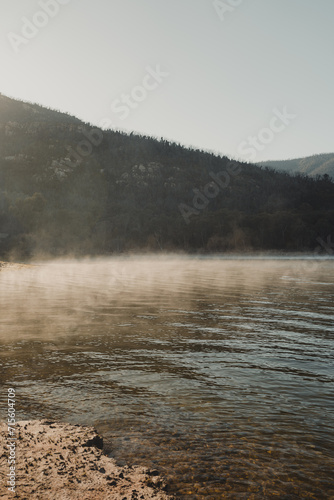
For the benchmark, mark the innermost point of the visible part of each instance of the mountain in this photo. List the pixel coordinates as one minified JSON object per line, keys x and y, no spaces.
{"x":67,"y":188}
{"x":312,"y":165}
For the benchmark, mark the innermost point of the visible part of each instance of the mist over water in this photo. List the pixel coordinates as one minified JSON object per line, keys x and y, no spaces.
{"x":218,"y":372}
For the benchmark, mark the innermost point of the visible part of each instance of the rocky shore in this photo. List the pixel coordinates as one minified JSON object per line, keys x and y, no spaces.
{"x":66,"y":462}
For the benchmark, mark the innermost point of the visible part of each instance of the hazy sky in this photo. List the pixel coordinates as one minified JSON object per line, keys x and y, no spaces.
{"x":217,"y":75}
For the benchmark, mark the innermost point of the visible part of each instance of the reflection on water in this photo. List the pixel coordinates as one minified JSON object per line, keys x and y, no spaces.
{"x":217,"y":372}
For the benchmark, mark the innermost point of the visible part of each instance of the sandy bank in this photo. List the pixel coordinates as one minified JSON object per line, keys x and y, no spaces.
{"x":66,"y":462}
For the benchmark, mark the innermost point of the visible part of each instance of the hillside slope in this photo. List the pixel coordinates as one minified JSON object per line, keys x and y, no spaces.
{"x":312,"y":165}
{"x":67,"y":188}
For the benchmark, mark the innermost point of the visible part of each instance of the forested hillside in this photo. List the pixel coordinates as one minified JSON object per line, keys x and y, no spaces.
{"x":67,"y":188}
{"x":317,"y":165}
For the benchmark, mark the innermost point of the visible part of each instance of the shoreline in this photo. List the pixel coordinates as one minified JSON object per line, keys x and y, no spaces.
{"x":227,"y":256}
{"x":4,"y":265}
{"x":61,"y":461}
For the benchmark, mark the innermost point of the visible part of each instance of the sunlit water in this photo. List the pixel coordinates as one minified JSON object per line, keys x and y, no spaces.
{"x":218,"y":373}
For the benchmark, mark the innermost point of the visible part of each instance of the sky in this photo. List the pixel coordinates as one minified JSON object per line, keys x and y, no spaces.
{"x":249,"y":79}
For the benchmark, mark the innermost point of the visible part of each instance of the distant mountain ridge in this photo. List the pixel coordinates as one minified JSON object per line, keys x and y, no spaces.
{"x":68,"y":188}
{"x":320,"y":164}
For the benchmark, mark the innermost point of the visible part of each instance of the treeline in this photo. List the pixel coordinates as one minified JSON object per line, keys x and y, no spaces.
{"x":64,"y":190}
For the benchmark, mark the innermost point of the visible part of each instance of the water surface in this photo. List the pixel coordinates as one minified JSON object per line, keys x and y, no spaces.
{"x":217,"y":372}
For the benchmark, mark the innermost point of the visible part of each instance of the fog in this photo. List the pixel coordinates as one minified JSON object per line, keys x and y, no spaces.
{"x":56,"y":298}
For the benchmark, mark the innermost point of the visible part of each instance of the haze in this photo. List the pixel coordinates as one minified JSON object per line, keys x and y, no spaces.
{"x":225,"y":68}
